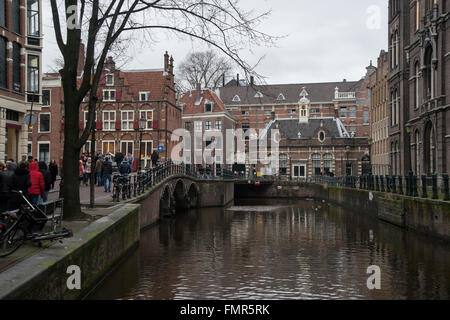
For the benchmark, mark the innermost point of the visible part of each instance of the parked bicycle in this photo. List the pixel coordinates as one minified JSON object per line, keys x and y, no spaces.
{"x":26,"y":224}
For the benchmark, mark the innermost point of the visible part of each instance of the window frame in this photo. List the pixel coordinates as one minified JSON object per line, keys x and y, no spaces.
{"x":49,"y":98}
{"x":147,"y":96}
{"x":147,"y":128}
{"x":49,"y":122}
{"x":106,"y":79}
{"x":39,"y":150}
{"x":109,"y":95}
{"x":109,"y":120}
{"x":127,"y":121}
{"x":108,"y":142}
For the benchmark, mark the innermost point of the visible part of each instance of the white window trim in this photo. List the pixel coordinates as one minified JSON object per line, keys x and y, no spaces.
{"x":210,"y":103}
{"x":49,"y":149}
{"x":29,"y":143}
{"x":49,"y":122}
{"x":109,"y":121}
{"x":151,"y":151}
{"x":215,"y":124}
{"x":132,"y":147}
{"x":147,"y":93}
{"x":195,"y":126}
{"x":122,"y":121}
{"x":109,"y":90}
{"x":281,"y":97}
{"x":49,"y":98}
{"x":146,"y":128}
{"x":299,"y":165}
{"x":106,"y":79}
{"x":85,"y":118}
{"x":210,"y":125}
{"x":350,"y":112}
{"x":108,"y":141}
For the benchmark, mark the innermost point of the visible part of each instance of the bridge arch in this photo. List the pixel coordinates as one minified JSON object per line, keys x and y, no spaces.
{"x":193,"y":195}
{"x":165,"y":203}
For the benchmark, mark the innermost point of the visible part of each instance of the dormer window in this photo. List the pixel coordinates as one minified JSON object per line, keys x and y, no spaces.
{"x":109,"y":79}
{"x":259,"y":95}
{"x":236,"y":99}
{"x":281,"y":97}
{"x":321,"y":136}
{"x":208,"y":107}
{"x":144,"y":95}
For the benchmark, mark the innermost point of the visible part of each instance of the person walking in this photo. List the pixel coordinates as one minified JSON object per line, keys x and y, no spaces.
{"x":6,"y":178}
{"x":154,"y":158}
{"x":125,"y":167}
{"x":21,"y":181}
{"x":81,"y":168}
{"x":53,"y":168}
{"x":37,"y":189}
{"x":47,"y":179}
{"x":119,"y":158}
{"x":98,"y":172}
{"x":87,"y":171}
{"x":106,"y":173}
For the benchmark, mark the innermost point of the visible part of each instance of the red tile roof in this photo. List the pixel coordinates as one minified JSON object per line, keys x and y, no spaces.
{"x":193,"y":106}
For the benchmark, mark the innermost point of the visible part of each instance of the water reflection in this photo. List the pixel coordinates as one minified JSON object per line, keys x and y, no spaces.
{"x":299,"y":250}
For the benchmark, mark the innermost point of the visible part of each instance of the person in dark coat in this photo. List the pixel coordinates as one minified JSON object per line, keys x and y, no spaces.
{"x":21,"y":181}
{"x":155,"y":158}
{"x":119,"y":158}
{"x":53,"y":168}
{"x":106,"y":174}
{"x":6,"y":178}
{"x":47,"y":179}
{"x":125,"y":167}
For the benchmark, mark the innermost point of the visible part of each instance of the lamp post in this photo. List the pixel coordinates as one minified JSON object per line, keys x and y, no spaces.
{"x":142,"y":123}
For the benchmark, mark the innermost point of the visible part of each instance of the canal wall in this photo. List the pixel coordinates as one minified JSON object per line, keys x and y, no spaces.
{"x":427,"y":216}
{"x":215,"y":194}
{"x":94,"y":249}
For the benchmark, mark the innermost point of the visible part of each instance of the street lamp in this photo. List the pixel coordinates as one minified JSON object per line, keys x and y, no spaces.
{"x":142,"y":124}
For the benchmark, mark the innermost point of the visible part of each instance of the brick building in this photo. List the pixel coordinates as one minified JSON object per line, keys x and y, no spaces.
{"x":419,"y":47}
{"x":379,"y":116}
{"x":204,"y":112}
{"x":124,"y":98}
{"x":20,"y":72}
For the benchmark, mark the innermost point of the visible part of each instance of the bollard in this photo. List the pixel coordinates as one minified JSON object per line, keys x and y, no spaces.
{"x":446,"y":191}
{"x":435,"y":188}
{"x":415,"y":192}
{"x":424,"y":186}
{"x":400,"y":184}
{"x":381,"y":183}
{"x":394,"y":187}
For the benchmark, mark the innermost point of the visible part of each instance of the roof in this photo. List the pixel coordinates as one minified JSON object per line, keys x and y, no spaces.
{"x":194,"y":101}
{"x":289,"y":128}
{"x":317,"y":92}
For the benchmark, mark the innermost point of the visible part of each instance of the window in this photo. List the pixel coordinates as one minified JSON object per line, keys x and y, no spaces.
{"x":29,"y":149}
{"x":109,"y":95}
{"x":127,"y":120}
{"x":17,"y":81}
{"x":44,"y":122}
{"x":303,"y":111}
{"x":33,"y":17}
{"x":343,"y":112}
{"x":33,"y":78}
{"x":246,"y":113}
{"x":188,"y":126}
{"x":218,"y":124}
{"x":15,"y":12}
{"x":416,"y":86}
{"x":316,"y":164}
{"x":292,"y":111}
{"x":267,"y":112}
{"x":147,"y":114}
{"x":207,"y":125}
{"x":126,"y":147}
{"x":245,"y":127}
{"x":283,"y":164}
{"x":87,"y":147}
{"x":321,"y":136}
{"x":281,"y":97}
{"x":144,"y":95}
{"x":236,"y":98}
{"x":109,"y":119}
{"x":353,"y":112}
{"x":315,"y":110}
{"x":259,"y":95}
{"x":2,"y":13}
{"x":3,"y":53}
{"x":85,"y":117}
{"x":429,"y":78}
{"x":352,"y":129}
{"x":366,"y":116}
{"x":198,"y":126}
{"x":299,"y":171}
{"x":46,"y":97}
{"x":146,"y":149}
{"x":208,"y":107}
{"x":327,"y":162}
{"x":109,"y":79}
{"x":108,"y":147}
{"x":417,"y":20}
{"x":44,"y":151}
{"x":417,"y":149}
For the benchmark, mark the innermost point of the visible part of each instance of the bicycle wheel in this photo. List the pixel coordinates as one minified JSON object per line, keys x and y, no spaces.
{"x":12,"y":242}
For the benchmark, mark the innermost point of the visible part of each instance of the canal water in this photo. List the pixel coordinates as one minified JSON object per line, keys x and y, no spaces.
{"x":279,"y":250}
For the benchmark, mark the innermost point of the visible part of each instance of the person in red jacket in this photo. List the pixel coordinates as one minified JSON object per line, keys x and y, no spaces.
{"x":37,"y":189}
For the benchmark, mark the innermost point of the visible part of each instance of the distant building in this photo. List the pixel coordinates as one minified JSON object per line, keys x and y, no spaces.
{"x":20,"y":73}
{"x":379,"y":116}
{"x":203,"y":111}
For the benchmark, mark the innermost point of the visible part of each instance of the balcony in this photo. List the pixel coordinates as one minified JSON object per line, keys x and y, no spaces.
{"x":344,"y":95}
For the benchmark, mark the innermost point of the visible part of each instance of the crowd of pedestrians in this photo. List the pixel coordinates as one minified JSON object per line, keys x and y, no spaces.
{"x":30,"y":176}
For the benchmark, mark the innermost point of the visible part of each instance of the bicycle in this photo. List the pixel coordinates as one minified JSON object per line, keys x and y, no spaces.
{"x":25,"y":224}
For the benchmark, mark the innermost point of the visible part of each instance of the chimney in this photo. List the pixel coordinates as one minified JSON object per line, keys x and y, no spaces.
{"x":166,"y":62}
{"x":81,"y":59}
{"x":198,"y":92}
{"x":171,"y":65}
{"x":237,"y":80}
{"x":223,"y":80}
{"x":345,"y":80}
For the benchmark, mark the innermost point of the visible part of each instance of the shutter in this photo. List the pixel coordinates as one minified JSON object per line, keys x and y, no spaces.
{"x":99,"y":125}
{"x":62,"y":126}
{"x":100,"y":94}
{"x":136,"y":125}
{"x":118,"y":95}
{"x":117,"y":125}
{"x":81,"y":125}
{"x":155,"y":124}
{"x":102,"y":80}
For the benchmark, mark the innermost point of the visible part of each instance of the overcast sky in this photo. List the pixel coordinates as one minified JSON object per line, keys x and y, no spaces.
{"x":326,"y":40}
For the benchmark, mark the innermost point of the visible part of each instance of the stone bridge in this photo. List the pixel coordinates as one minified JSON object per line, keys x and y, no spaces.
{"x":179,"y":193}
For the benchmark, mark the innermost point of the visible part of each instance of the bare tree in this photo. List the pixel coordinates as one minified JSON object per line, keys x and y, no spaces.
{"x":205,"y":68}
{"x":222,"y":24}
